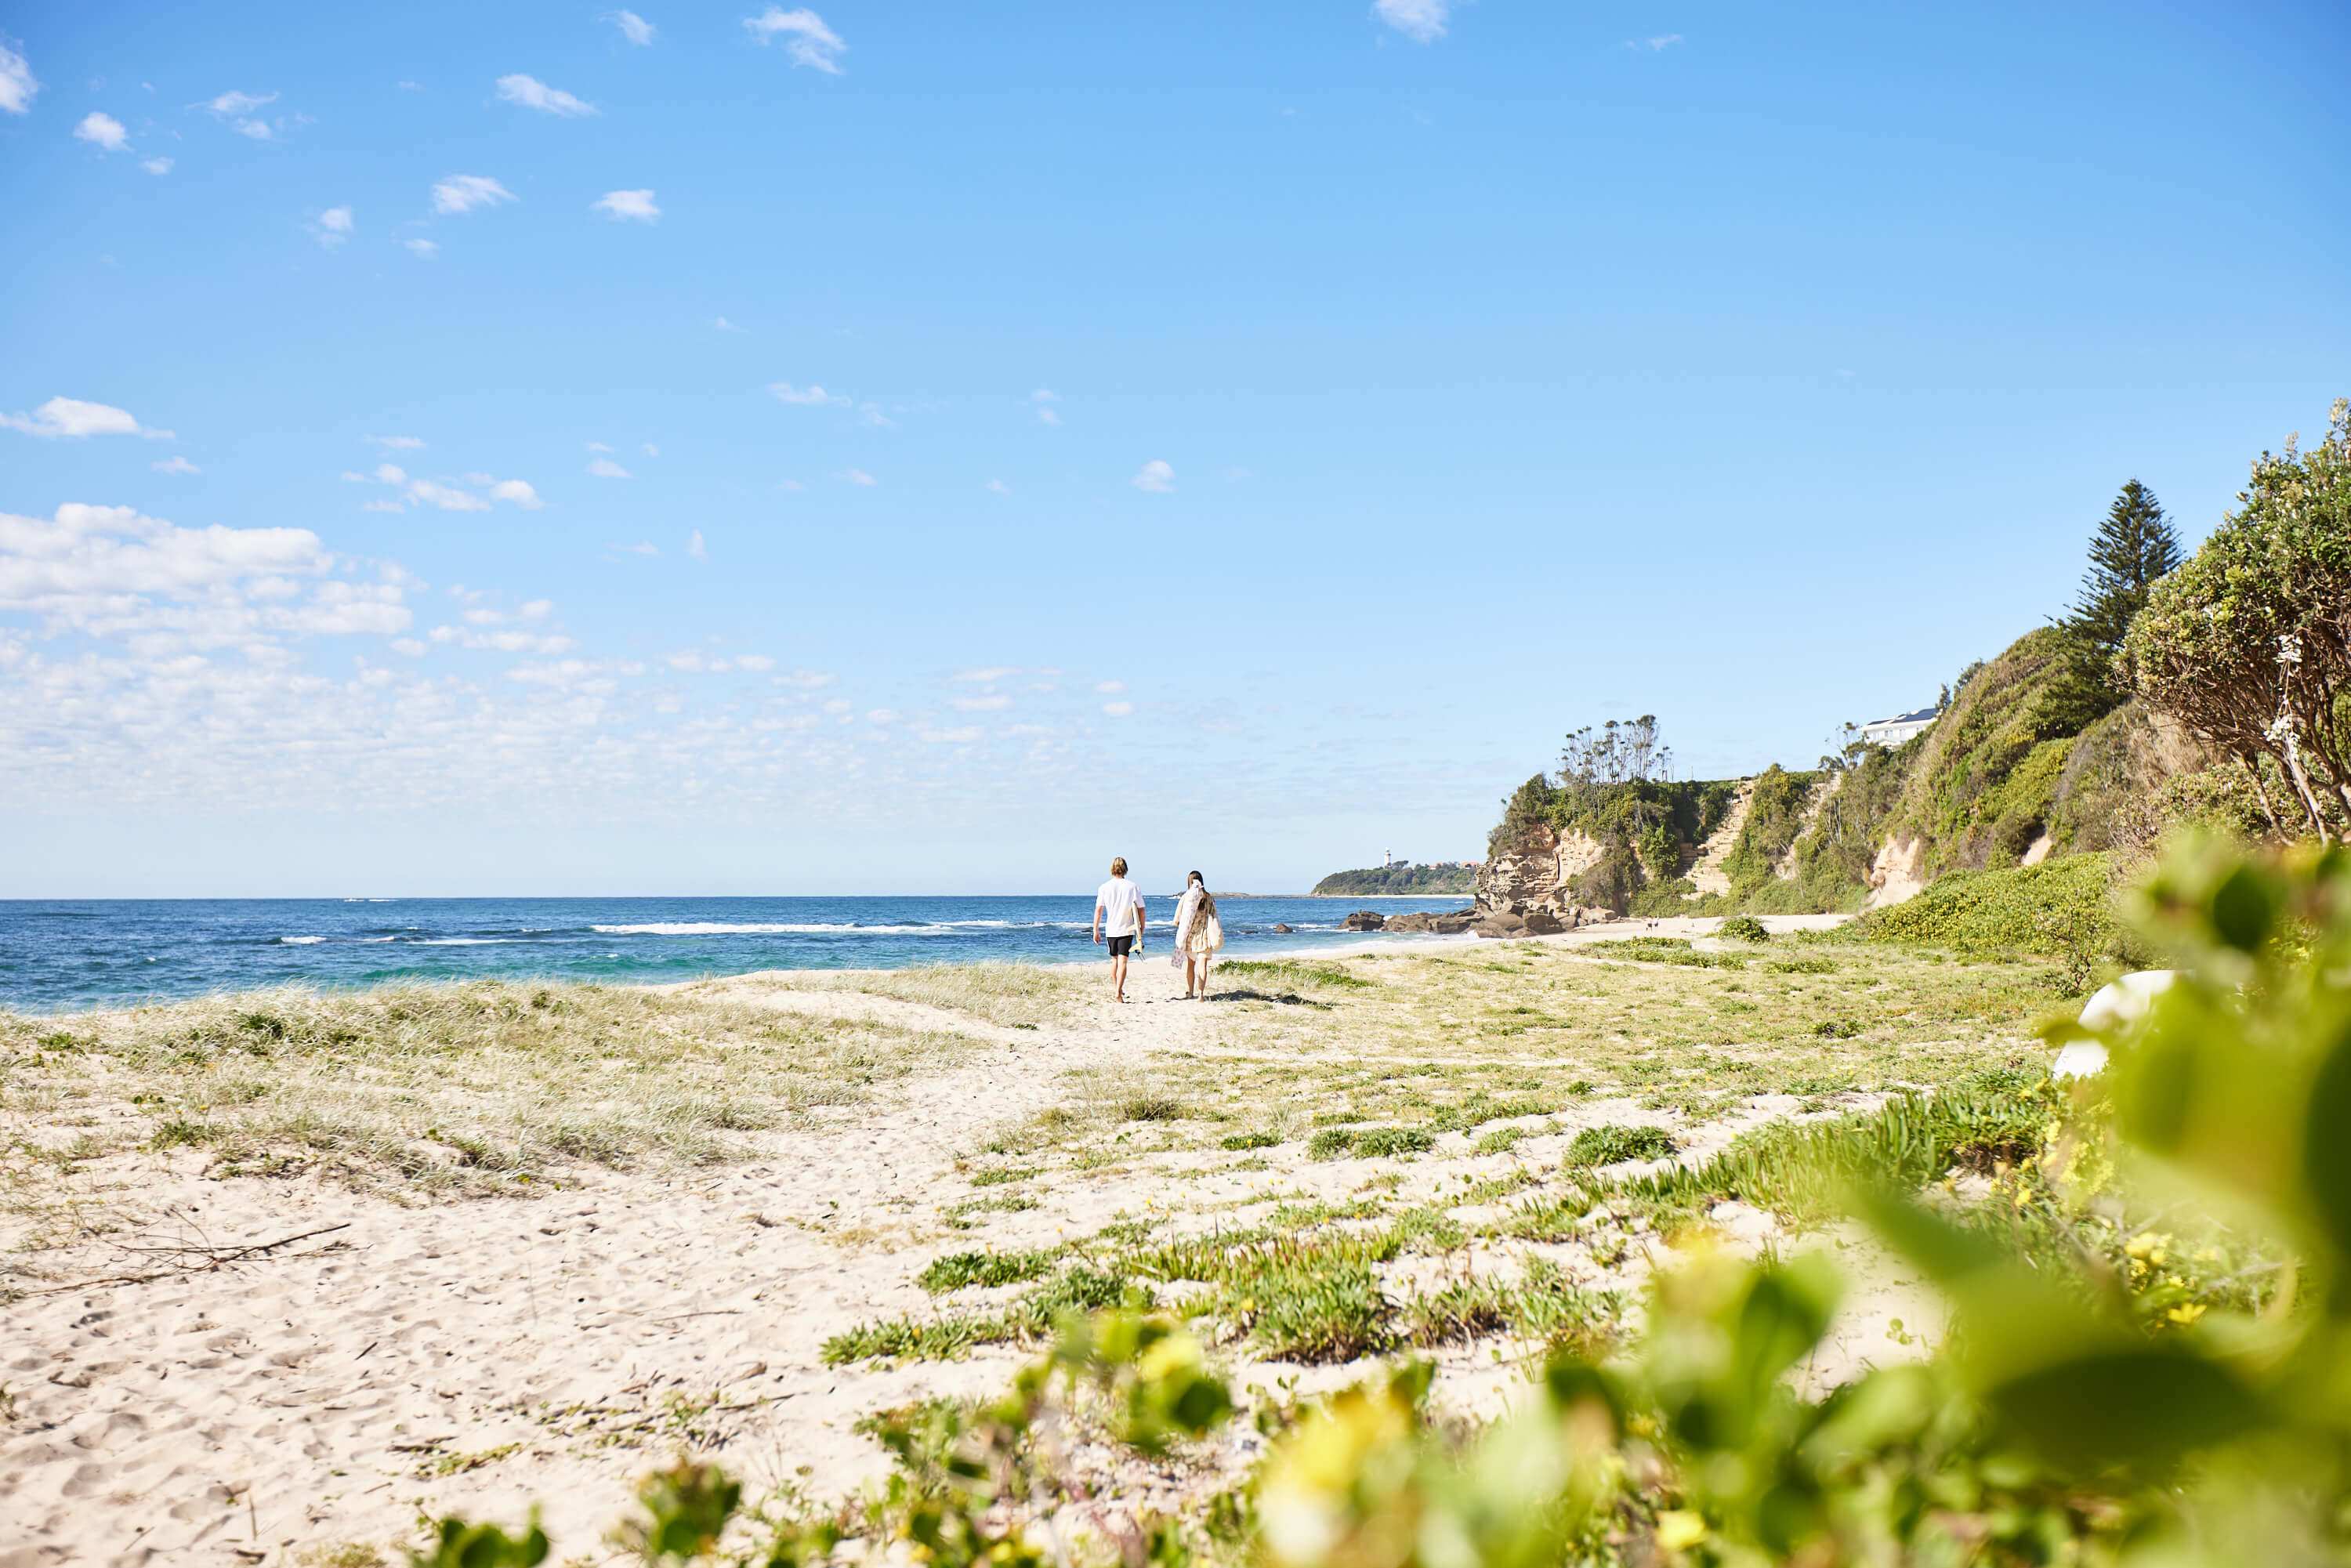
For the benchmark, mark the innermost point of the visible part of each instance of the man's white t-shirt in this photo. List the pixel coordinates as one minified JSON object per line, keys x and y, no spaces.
{"x":1121,"y":902}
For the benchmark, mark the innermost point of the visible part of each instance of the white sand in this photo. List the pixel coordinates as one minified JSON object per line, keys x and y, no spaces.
{"x":243,"y":1414}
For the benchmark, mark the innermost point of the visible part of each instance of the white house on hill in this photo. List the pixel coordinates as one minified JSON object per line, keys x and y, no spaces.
{"x":1900,"y":727}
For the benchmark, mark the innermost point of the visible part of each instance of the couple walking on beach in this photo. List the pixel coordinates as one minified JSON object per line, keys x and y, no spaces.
{"x":1118,"y":914}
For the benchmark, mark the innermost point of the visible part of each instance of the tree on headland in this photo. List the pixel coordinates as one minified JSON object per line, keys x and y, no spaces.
{"x":2249,"y":644}
{"x":2134,"y":548}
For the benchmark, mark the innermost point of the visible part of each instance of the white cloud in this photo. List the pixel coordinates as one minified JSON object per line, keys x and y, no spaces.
{"x":16,"y":83}
{"x":519,"y":492}
{"x":424,"y":249}
{"x":980,"y":705}
{"x":993,"y":673}
{"x":231,"y":104}
{"x":637,"y":204}
{"x":883,"y":715}
{"x":109,"y":572}
{"x":102,"y":132}
{"x":859,"y":476}
{"x":1156,"y":476}
{"x":999,"y":486}
{"x":156,"y":165}
{"x":952,"y":737}
{"x":651,"y":450}
{"x":597,"y":447}
{"x":634,"y":28}
{"x":644,"y":547}
{"x":724,"y":325}
{"x":501,"y":642}
{"x":1118,"y":710}
{"x":1110,"y":688}
{"x":839,"y":705}
{"x":806,"y":37}
{"x":408,"y":645}
{"x":428,"y":492}
{"x":605,"y":468}
{"x":176,"y":465}
{"x":464,"y":192}
{"x":1663,"y":41}
{"x":396,"y":442}
{"x":72,"y":417}
{"x":809,"y":680}
{"x":257,"y":130}
{"x":693,"y":547}
{"x":1422,"y":21}
{"x":759,"y":662}
{"x":532,"y":93}
{"x":335,"y":227}
{"x":1042,"y":401}
{"x":789,"y":484}
{"x":789,"y":393}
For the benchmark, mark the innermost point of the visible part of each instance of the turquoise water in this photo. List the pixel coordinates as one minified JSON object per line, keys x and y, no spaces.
{"x":58,"y":953}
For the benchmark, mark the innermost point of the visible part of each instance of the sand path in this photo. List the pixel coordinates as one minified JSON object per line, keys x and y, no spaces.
{"x":239,"y":1415}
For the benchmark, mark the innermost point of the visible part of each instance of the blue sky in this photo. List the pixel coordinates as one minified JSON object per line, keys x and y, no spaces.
{"x":743,"y":448}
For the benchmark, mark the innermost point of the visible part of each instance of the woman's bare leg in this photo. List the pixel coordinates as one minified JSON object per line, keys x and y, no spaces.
{"x":1206,"y":960}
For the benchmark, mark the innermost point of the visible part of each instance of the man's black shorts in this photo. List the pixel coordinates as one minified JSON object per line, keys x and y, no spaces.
{"x":1120,"y":947}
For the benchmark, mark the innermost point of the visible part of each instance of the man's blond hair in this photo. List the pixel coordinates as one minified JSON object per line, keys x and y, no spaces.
{"x":1118,"y":865}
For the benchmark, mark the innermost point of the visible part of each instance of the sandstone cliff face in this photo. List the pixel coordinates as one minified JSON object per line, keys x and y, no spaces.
{"x":1894,"y":875}
{"x":1535,"y":876}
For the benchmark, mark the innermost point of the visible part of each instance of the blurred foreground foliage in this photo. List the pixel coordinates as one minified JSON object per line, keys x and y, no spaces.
{"x":2149,"y":1363}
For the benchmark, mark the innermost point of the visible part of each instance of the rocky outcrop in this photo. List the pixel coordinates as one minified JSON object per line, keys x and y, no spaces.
{"x":1444,"y":923}
{"x":1539,"y":873}
{"x":1284,"y":930}
{"x":1364,"y":920}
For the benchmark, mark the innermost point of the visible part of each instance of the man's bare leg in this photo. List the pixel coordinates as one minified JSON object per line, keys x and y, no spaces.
{"x":1118,"y":976}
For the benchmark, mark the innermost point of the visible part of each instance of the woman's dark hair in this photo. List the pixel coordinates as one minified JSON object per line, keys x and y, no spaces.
{"x":1201,"y":880}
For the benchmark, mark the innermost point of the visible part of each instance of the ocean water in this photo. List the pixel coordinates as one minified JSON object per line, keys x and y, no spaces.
{"x":65,"y":953}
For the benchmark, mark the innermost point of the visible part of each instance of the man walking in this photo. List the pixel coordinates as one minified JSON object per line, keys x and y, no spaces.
{"x":1118,"y":905}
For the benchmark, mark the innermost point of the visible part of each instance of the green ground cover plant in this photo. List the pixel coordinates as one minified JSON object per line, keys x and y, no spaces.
{"x":2149,"y":1326}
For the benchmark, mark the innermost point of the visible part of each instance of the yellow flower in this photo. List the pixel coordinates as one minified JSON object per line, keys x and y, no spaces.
{"x":2147,"y":1244}
{"x":1680,"y":1527}
{"x":2186,"y":1312}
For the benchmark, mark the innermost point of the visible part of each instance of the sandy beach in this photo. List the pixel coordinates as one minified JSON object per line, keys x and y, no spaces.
{"x":397,"y":1353}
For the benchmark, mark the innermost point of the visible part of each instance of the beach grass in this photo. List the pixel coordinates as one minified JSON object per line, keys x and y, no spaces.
{"x":462,"y":1089}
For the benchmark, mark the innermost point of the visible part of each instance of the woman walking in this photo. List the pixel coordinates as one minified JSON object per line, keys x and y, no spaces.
{"x":1198,"y":935}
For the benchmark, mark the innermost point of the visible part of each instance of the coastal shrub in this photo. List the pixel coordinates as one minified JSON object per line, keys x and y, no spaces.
{"x":1661,"y":950}
{"x":1807,"y":1172}
{"x":1482,"y":1107}
{"x":1333,"y":1312}
{"x":1460,"y":1312}
{"x":1612,"y":1146}
{"x":1369,"y":1143}
{"x":1500,"y":1141}
{"x":1294,"y":972}
{"x":1743,"y":928}
{"x":2044,"y":908}
{"x":1238,"y":1141}
{"x":958,"y":1270}
{"x":1150,"y":1108}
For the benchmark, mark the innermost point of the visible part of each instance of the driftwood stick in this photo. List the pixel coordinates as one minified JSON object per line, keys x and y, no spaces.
{"x":216,"y":1258}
